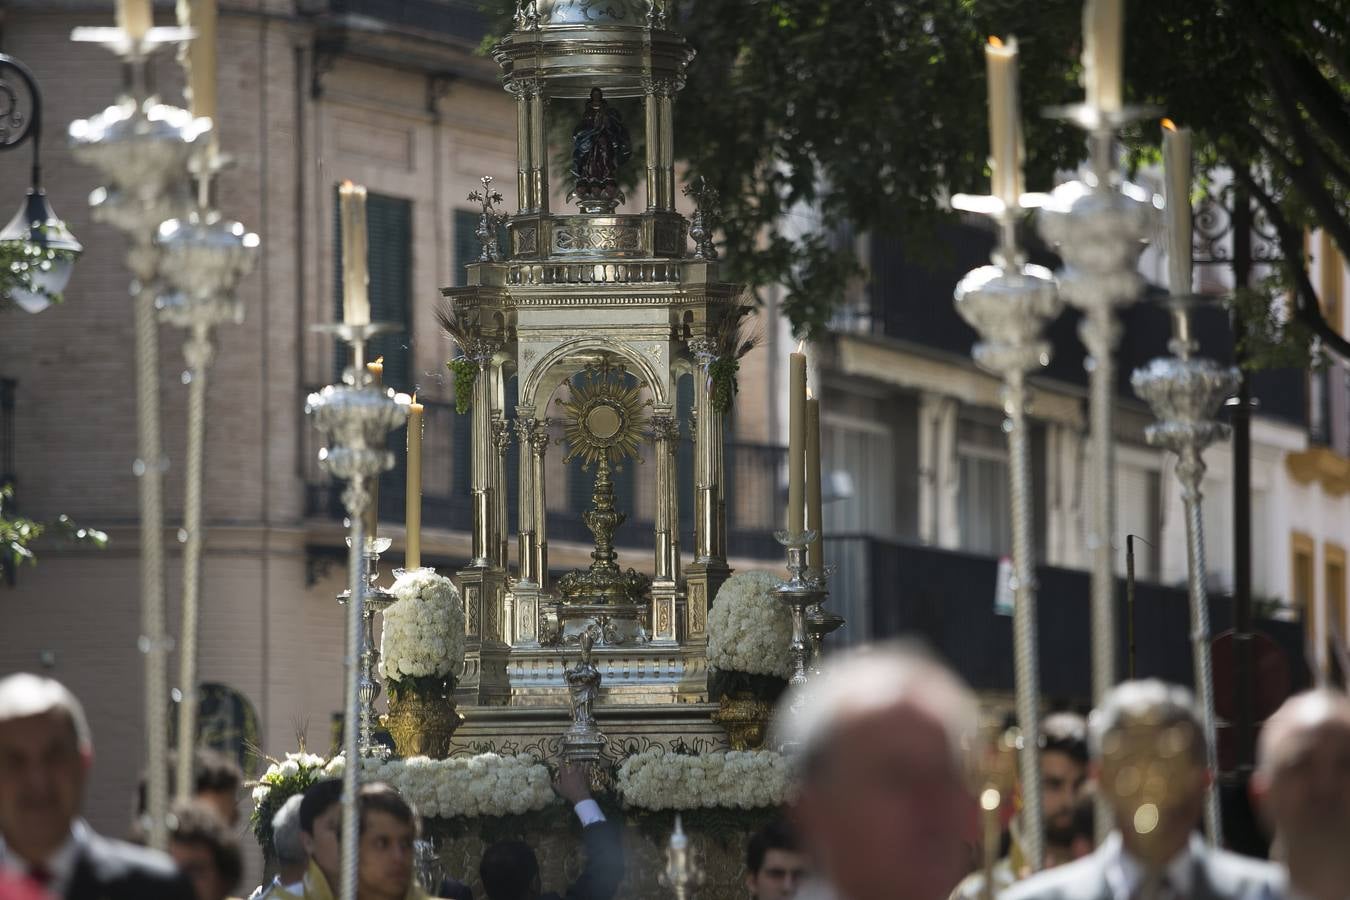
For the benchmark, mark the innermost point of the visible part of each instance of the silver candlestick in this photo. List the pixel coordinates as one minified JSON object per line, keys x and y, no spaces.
{"x":820,"y":622}
{"x":142,"y":146}
{"x":355,"y":417}
{"x":374,"y":599}
{"x":1100,"y":224}
{"x":1185,"y":394}
{"x":203,"y":257}
{"x":802,"y":590}
{"x":1009,"y":304}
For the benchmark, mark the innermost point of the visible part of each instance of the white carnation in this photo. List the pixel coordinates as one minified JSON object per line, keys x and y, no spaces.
{"x":423,"y":630}
{"x":656,"y":780}
{"x":749,"y":629}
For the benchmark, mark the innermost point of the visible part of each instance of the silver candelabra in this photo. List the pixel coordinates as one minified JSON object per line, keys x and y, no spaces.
{"x":802,"y":590}
{"x":203,"y":257}
{"x":1100,"y":224}
{"x":1009,"y":304}
{"x":1100,"y":231}
{"x":374,"y":599}
{"x":354,"y":418}
{"x":1185,"y":393}
{"x":143,"y":146}
{"x":681,"y":874}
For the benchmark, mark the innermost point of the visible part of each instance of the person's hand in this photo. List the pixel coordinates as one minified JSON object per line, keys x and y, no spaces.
{"x":573,"y":783}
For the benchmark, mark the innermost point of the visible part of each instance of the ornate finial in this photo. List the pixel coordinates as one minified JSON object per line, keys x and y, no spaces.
{"x":706,"y":213}
{"x":657,"y":11}
{"x":489,"y":221}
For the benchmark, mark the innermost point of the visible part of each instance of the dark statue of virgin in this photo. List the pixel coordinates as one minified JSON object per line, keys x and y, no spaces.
{"x":600,"y":145}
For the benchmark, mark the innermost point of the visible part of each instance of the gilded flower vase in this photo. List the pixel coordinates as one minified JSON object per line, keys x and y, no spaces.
{"x":745,"y":717}
{"x":422,"y":725}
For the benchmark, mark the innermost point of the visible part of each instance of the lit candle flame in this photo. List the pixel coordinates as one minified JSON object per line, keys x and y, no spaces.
{"x":809,"y":395}
{"x":995,"y":41}
{"x":1169,"y":124}
{"x":801,"y":346}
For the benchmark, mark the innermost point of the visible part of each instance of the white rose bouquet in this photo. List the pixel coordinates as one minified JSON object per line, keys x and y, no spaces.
{"x":422,"y":640}
{"x":749,"y":630}
{"x":656,"y":779}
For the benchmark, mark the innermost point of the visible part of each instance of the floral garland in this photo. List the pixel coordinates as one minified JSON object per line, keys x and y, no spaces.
{"x":466,"y":786}
{"x":422,"y":640}
{"x":284,"y":779}
{"x":749,"y":629}
{"x":745,"y":779}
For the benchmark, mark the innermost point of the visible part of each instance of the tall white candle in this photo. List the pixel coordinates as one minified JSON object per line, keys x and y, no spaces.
{"x":1103,"y":44}
{"x":1177,"y":196}
{"x":201,"y":59}
{"x":1005,"y":124}
{"x":355,"y":278}
{"x":796,"y":511}
{"x":413,"y":502}
{"x":135,"y":17}
{"x":815,"y":557}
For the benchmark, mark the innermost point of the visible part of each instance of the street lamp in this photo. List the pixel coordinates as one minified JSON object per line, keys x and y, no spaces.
{"x":37,"y":249}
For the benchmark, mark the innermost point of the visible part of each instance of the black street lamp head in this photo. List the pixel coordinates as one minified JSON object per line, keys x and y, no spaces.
{"x":37,"y":250}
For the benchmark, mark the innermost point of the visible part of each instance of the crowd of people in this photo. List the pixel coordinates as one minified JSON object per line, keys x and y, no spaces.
{"x":883,"y":742}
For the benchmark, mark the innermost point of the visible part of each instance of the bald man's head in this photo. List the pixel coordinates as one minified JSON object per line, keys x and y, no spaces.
{"x":1302,"y":779}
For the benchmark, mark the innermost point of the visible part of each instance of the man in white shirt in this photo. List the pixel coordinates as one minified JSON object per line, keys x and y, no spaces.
{"x":1149,"y":759}
{"x":45,"y":756}
{"x":1302,"y":787}
{"x":880,"y":739}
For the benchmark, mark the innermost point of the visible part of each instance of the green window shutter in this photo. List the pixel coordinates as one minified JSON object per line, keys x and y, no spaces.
{"x":466,"y":243}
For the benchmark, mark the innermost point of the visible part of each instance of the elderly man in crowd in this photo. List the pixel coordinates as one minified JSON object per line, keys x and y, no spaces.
{"x":885,"y":803}
{"x":1149,"y":756}
{"x":45,"y":755}
{"x":292,"y":860}
{"x":1302,"y":787}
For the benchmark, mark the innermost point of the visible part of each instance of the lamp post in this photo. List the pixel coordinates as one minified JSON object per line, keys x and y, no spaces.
{"x":35,"y":239}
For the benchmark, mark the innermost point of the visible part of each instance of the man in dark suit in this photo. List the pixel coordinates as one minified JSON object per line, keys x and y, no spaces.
{"x":510,"y":870}
{"x":45,"y":755}
{"x":1149,"y":758}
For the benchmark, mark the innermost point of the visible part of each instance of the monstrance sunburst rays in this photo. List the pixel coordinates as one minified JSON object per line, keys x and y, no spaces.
{"x":604,"y":415}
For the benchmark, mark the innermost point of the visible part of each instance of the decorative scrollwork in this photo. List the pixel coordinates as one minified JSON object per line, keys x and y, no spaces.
{"x":1212,"y":238}
{"x":600,"y":237}
{"x":20,"y":103}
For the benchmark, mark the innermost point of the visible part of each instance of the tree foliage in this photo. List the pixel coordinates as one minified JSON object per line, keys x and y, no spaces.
{"x":812,"y":117}
{"x":18,"y":533}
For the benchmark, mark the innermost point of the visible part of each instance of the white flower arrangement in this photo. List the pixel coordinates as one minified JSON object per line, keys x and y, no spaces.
{"x":301,"y":769}
{"x":422,"y":639}
{"x":749,"y":629}
{"x":484,"y":785}
{"x":748,"y":779}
